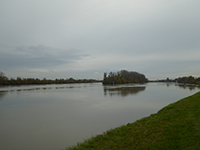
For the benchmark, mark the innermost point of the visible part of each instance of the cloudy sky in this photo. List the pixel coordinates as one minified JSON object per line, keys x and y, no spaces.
{"x":85,"y":38}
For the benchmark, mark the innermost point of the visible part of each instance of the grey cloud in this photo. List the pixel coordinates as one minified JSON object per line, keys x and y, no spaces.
{"x":36,"y":56}
{"x":133,"y":35}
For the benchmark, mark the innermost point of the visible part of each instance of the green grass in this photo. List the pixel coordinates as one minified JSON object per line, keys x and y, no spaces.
{"x":176,"y":126}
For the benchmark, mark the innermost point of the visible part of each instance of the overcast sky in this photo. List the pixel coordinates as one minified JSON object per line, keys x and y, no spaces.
{"x":85,"y":38}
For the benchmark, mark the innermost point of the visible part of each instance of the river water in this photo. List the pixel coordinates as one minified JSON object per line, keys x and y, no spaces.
{"x":53,"y":117}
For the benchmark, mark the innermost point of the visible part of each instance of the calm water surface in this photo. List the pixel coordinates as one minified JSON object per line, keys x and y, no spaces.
{"x":52,"y":117}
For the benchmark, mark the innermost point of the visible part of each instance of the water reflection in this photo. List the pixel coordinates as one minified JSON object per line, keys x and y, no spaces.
{"x":190,"y":87}
{"x":123,"y":91}
{"x":32,"y":88}
{"x":2,"y":94}
{"x":62,"y":115}
{"x":29,"y":88}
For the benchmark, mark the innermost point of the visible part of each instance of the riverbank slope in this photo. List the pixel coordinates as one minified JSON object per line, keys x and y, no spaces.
{"x":176,"y":126}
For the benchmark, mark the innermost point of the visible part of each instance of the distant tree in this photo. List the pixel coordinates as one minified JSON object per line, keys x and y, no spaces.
{"x":23,"y":81}
{"x":38,"y":81}
{"x":189,"y":79}
{"x":124,"y":76}
{"x":44,"y":81}
{"x":105,"y":75}
{"x":19,"y":80}
{"x":2,"y":78}
{"x":71,"y":80}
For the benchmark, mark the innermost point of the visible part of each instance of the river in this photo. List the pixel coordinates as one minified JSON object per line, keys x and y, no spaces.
{"x":53,"y":117}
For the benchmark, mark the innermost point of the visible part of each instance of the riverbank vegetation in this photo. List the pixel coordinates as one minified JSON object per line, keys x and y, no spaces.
{"x":183,"y":80}
{"x":123,"y":76}
{"x":176,"y":126}
{"x":120,"y":77}
{"x":189,"y":80}
{"x":29,"y":81}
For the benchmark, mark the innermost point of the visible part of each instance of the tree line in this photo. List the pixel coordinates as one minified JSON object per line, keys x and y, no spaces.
{"x":184,"y":80}
{"x":123,"y":77}
{"x":29,"y":81}
{"x":188,"y":80}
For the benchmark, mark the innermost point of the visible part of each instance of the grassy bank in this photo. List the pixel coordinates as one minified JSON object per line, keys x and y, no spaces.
{"x":176,"y":126}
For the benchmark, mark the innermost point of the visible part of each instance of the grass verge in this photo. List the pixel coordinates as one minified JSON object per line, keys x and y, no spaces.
{"x":176,"y":126}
